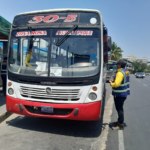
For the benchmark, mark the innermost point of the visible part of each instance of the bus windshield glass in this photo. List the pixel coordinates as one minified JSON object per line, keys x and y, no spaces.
{"x":34,"y":53}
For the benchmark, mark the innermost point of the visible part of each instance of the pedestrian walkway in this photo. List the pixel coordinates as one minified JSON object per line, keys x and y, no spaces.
{"x":2,"y":104}
{"x":3,"y":112}
{"x":3,"y":109}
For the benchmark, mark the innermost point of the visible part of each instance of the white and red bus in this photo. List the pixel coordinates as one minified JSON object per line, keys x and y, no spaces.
{"x":57,"y":64}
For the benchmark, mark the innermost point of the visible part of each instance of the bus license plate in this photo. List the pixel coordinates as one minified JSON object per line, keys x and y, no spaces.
{"x":47,"y":109}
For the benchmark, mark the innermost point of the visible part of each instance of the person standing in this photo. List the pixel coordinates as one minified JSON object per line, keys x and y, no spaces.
{"x":120,"y":91}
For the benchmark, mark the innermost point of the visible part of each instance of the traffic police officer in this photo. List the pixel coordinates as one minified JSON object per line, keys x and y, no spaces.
{"x":120,"y":91}
{"x":4,"y":74}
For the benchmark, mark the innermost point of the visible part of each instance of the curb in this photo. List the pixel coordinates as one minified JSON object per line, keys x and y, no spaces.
{"x":4,"y":116}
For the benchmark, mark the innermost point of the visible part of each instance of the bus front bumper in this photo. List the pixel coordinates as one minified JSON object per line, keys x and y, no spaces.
{"x":86,"y":112}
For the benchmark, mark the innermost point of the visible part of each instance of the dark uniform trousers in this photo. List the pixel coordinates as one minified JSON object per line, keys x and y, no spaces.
{"x":119,"y":101}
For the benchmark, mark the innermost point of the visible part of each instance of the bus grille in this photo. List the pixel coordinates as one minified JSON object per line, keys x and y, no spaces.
{"x":56,"y":94}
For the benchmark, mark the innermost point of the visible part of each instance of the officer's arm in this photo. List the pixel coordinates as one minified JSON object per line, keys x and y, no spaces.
{"x":27,"y":60}
{"x":118,"y":80}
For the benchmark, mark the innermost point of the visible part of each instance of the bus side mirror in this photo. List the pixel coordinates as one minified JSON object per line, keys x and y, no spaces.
{"x":109,"y":42}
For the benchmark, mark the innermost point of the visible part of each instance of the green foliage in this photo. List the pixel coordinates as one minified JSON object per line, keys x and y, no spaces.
{"x":145,"y":70}
{"x":140,"y":67}
{"x":148,"y":68}
{"x":116,"y":52}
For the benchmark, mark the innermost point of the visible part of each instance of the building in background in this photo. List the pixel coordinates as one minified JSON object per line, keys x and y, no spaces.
{"x":142,"y":60}
{"x":3,"y":41}
{"x":129,"y":65}
{"x":132,"y":58}
{"x":3,"y":36}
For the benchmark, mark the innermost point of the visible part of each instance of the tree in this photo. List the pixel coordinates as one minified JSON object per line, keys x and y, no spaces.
{"x":143,"y":66}
{"x":148,"y":68}
{"x":140,"y":67}
{"x":116,"y":52}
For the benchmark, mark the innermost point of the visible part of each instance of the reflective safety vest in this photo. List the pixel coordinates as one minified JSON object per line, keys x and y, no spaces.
{"x":123,"y":90}
{"x":4,"y":69}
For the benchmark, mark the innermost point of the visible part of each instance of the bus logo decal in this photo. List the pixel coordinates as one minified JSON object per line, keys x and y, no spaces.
{"x":48,"y":90}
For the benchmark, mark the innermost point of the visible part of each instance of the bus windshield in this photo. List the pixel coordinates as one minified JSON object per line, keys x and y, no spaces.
{"x":34,"y":53}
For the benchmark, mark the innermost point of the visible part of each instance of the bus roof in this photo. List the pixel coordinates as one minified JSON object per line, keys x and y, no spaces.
{"x":60,"y":10}
{"x":68,"y":16}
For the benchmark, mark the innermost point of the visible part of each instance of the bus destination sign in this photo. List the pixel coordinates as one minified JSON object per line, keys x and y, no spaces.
{"x":33,"y":33}
{"x":54,"y":18}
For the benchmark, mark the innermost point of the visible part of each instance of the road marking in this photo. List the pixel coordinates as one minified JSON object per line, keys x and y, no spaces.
{"x":145,"y":84}
{"x":121,"y":139}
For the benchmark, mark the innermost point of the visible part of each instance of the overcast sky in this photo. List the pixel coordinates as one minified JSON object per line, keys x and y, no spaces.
{"x":128,"y":21}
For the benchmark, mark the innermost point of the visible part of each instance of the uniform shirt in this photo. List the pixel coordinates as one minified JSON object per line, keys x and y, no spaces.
{"x":28,"y":58}
{"x":118,"y":80}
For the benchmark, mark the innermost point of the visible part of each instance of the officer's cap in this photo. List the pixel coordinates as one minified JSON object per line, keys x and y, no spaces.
{"x":121,"y":61}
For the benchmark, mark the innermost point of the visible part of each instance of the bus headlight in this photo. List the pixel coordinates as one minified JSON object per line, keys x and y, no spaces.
{"x":92,"y":96}
{"x":10,"y":91}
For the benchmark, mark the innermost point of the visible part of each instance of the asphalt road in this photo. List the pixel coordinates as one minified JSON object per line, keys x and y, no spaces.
{"x":26,"y":133}
{"x":137,"y":118}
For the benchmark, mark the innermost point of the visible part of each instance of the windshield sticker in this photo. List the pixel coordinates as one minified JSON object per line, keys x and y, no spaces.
{"x":85,"y":33}
{"x":41,"y":66}
{"x":56,"y":71}
{"x":28,"y":33}
{"x":54,"y":18}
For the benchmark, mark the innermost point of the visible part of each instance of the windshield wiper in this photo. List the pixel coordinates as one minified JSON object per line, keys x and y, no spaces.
{"x":66,"y":35}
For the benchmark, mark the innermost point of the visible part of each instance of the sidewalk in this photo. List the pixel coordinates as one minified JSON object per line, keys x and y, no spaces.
{"x":2,"y":104}
{"x":3,"y":112}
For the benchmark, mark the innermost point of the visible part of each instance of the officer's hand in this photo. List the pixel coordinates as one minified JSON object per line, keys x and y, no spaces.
{"x":111,"y":80}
